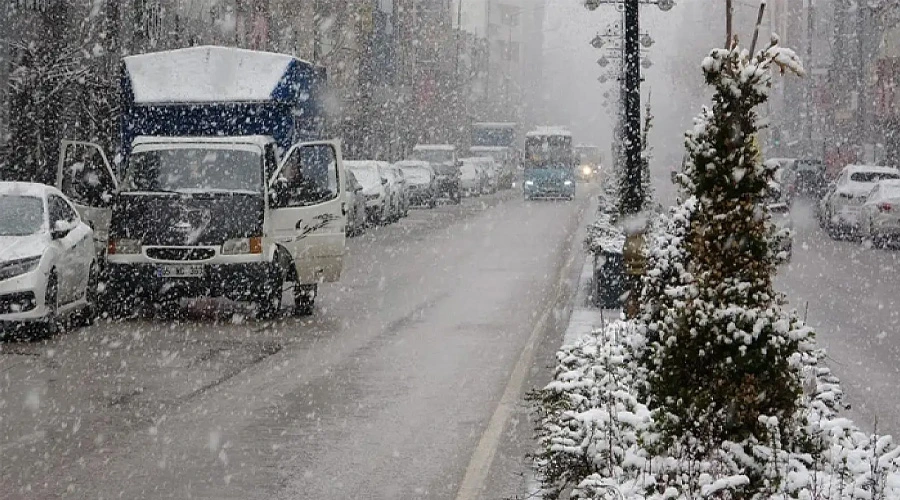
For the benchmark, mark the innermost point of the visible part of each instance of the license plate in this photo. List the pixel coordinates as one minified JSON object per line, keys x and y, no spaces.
{"x":179,"y":271}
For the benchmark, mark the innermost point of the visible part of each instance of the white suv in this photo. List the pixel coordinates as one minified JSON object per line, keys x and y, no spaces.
{"x":843,"y":201}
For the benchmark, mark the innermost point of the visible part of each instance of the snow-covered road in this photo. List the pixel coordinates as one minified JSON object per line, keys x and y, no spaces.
{"x":853,"y":293}
{"x":385,"y":393}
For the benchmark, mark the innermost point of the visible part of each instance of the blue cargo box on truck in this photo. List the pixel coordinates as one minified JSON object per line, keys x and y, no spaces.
{"x":221,"y":91}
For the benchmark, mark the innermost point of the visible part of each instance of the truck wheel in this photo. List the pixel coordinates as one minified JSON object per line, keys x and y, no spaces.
{"x":269,"y":303}
{"x":305,"y":299}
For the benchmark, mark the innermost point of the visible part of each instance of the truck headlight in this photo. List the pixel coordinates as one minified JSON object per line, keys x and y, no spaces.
{"x":586,"y":170}
{"x":242,"y":246}
{"x":123,"y":246}
{"x":567,"y":183}
{"x":18,"y":267}
{"x":529,"y":183}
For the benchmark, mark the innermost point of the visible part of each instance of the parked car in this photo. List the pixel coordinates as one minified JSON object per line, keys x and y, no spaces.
{"x":843,"y":200}
{"x":422,"y":182}
{"x":402,"y":188}
{"x":809,"y":177}
{"x":48,"y":263}
{"x":492,"y":174}
{"x":379,"y":209}
{"x":442,"y":158}
{"x":471,"y":178}
{"x":879,"y":217}
{"x":356,"y":206}
{"x":785,"y":176}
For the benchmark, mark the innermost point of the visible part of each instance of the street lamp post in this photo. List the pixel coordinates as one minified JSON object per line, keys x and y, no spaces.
{"x":632,"y":196}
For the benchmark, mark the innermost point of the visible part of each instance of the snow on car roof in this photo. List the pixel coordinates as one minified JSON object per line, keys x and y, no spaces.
{"x":434,"y":147}
{"x":27,"y":189}
{"x":488,"y":148}
{"x":206,"y":74}
{"x":257,"y":140}
{"x":871,"y":168}
{"x":544,"y":131}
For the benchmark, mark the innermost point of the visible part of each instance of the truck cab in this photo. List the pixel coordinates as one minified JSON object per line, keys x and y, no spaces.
{"x":223,"y":216}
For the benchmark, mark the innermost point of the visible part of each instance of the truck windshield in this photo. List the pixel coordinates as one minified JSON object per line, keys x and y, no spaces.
{"x":20,"y":215}
{"x":195,"y":169}
{"x":549,"y":152}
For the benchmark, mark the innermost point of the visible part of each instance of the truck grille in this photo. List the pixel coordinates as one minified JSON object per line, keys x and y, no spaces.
{"x":170,"y":253}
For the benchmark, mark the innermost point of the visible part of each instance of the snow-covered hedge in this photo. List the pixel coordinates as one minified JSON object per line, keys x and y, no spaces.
{"x":716,"y":389}
{"x":596,"y":430}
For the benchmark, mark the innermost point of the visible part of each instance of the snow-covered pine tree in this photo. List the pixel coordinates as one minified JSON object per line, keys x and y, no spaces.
{"x":726,"y":352}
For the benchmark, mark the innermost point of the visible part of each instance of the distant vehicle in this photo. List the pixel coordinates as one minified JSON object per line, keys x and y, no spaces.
{"x":402,"y":188}
{"x":423,"y":189}
{"x":379,"y":208}
{"x":489,"y":171}
{"x":443,"y":159}
{"x":549,"y":164}
{"x":395,"y":188}
{"x":781,"y":217}
{"x":842,"y":202}
{"x":356,"y":206}
{"x":48,"y":264}
{"x":589,"y":160}
{"x":809,"y":177}
{"x":471,"y":180}
{"x":786,"y":176}
{"x":879,"y":217}
{"x":506,"y":163}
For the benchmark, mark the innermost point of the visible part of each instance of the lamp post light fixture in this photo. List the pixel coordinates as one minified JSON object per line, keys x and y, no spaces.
{"x":647,"y":41}
{"x":603,"y":62}
{"x":646,"y":63}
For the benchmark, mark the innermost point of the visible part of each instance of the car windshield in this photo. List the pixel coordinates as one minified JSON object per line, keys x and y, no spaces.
{"x":195,"y":169}
{"x":870,"y":177}
{"x":20,"y":215}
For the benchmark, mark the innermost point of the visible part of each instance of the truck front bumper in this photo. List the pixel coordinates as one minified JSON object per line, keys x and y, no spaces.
{"x":237,"y":281}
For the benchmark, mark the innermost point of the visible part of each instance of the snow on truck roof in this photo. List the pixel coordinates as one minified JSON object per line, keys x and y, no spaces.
{"x":489,"y":149}
{"x":206,"y":74}
{"x":26,"y":189}
{"x":546,"y":131}
{"x":434,"y":147}
{"x":256,"y":140}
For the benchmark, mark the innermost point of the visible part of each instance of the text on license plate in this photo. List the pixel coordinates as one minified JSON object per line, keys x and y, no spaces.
{"x":179,"y":271}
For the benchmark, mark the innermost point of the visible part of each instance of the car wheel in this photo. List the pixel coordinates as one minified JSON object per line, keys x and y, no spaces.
{"x":269,"y":304}
{"x":89,"y":311}
{"x":305,"y":299}
{"x":52,"y":321}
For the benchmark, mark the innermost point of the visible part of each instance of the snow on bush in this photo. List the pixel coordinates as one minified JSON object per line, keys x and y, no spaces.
{"x":716,"y":390}
{"x":597,"y":431}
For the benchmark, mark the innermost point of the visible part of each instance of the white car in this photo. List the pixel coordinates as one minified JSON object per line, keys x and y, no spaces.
{"x":470,"y":178}
{"x":376,"y":188}
{"x":48,"y":264}
{"x":401,"y":186}
{"x":843,"y":201}
{"x":879,"y":217}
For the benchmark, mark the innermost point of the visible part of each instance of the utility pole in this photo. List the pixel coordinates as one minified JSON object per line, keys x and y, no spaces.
{"x":729,"y":14}
{"x":810,"y":30}
{"x":632,"y":195}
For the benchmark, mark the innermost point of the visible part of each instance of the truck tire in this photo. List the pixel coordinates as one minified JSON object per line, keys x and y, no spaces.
{"x":305,"y":299}
{"x":269,"y":304}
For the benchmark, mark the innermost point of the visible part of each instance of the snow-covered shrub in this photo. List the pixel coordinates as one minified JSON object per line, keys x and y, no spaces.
{"x":726,"y":351}
{"x":716,"y":390}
